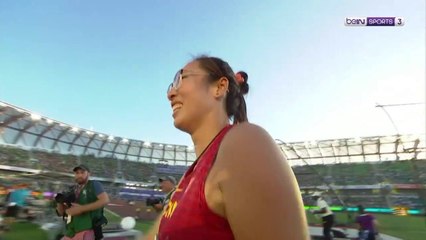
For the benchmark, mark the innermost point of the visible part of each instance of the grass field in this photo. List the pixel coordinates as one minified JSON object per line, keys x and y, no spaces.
{"x":404,"y":227}
{"x":24,"y":230}
{"x":407,"y":228}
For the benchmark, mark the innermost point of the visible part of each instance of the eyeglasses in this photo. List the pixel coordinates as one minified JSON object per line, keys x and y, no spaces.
{"x":177,"y":81}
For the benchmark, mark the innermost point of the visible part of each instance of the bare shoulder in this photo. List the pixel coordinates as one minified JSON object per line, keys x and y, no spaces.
{"x":253,"y":174}
{"x":248,"y":148}
{"x":248,"y":133}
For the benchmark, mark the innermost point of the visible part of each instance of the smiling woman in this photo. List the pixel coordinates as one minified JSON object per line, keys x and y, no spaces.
{"x":225,"y":194}
{"x":205,"y":72}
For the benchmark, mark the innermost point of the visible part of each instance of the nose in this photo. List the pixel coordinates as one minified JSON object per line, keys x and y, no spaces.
{"x":171,"y":93}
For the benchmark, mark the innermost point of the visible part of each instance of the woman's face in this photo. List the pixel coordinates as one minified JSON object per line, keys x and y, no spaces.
{"x":191,"y":97}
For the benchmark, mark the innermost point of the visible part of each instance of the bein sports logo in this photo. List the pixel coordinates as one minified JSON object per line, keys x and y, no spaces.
{"x":374,"y":21}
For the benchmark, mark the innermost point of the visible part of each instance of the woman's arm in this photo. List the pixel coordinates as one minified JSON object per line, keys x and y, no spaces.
{"x":260,"y":192}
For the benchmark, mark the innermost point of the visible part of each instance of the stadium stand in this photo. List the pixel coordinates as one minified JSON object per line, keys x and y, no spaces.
{"x":402,"y":172}
{"x":54,"y":161}
{"x":378,"y":171}
{"x":135,"y":171}
{"x":14,"y":156}
{"x":345,"y":174}
{"x":407,"y":199}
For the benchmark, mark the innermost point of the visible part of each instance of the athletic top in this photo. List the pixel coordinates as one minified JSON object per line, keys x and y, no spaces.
{"x":366,"y":221}
{"x":19,"y":197}
{"x":187,"y":216}
{"x":321,"y":203}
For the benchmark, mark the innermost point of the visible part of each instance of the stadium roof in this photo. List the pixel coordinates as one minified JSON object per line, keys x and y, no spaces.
{"x":20,"y":127}
{"x":352,"y":150}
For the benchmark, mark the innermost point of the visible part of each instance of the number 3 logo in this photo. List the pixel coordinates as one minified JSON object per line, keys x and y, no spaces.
{"x":400,"y":21}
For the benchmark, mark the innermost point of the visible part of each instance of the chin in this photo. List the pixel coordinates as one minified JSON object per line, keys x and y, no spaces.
{"x":179,"y":124}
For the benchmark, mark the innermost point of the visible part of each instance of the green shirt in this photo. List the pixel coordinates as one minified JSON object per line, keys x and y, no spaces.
{"x":85,"y":220}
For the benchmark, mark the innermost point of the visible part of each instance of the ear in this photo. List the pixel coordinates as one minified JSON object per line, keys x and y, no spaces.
{"x":221,"y":87}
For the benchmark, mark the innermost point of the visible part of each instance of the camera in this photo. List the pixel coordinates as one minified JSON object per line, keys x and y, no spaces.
{"x":151,"y":201}
{"x":67,"y":197}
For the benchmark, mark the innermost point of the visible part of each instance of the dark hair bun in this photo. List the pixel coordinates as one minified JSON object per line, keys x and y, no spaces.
{"x":244,"y":87}
{"x":244,"y":75}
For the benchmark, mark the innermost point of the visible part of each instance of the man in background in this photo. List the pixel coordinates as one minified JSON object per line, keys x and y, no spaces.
{"x":167,"y":185}
{"x":325,"y":213}
{"x":367,"y":225}
{"x":86,"y":212}
{"x":16,"y":202}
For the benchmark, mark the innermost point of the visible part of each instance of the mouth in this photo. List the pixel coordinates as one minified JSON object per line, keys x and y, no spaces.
{"x":176,"y":107}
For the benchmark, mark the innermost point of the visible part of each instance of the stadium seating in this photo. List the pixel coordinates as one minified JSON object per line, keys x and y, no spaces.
{"x":54,"y":161}
{"x":16,"y":157}
{"x":352,"y":174}
{"x":136,"y":171}
{"x":406,"y":198}
{"x":309,"y":177}
{"x":396,"y":172}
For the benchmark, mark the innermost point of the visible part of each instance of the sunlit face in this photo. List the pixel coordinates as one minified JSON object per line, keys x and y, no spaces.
{"x":166,"y":186}
{"x":81,"y":176}
{"x":191,"y":99}
{"x":239,"y":78}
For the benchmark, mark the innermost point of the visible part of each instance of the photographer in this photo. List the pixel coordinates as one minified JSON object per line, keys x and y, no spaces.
{"x":167,"y":185}
{"x":83,"y":207}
